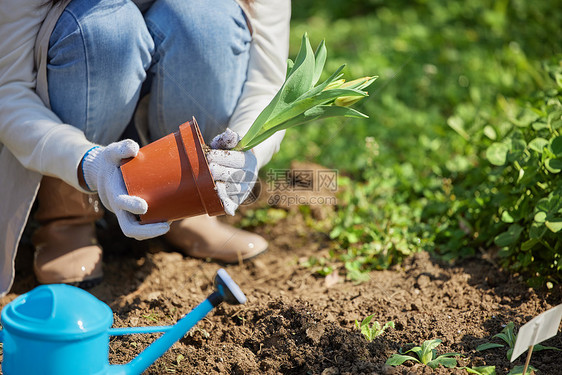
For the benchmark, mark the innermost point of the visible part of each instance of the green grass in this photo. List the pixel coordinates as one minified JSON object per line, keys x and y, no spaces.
{"x":447,"y":70}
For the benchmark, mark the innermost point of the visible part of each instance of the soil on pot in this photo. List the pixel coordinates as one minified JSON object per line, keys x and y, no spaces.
{"x":297,"y":323}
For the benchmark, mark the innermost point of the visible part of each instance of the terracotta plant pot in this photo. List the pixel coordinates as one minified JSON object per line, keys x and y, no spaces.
{"x":173,"y":176}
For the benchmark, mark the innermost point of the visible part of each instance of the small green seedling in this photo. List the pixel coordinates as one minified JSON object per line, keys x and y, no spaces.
{"x":373,"y":330}
{"x":152,"y":316}
{"x":426,"y":354}
{"x":507,"y":334}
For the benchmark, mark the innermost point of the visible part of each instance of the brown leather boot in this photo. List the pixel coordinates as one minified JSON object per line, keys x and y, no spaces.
{"x":66,"y":248}
{"x":206,"y":237}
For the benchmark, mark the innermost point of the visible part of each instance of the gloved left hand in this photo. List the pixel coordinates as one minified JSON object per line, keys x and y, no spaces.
{"x":234,"y":172}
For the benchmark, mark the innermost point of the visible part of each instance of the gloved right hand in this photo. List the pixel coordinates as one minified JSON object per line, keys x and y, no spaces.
{"x":101,"y":170}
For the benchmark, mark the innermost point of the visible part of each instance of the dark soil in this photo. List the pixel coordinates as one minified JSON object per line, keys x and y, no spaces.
{"x":297,"y":323}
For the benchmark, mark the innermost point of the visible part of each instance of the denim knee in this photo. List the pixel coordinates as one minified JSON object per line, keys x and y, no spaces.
{"x":199,"y":24}
{"x":98,"y":54}
{"x":200,"y":62}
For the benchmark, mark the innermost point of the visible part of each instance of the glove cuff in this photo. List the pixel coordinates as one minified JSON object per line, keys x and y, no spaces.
{"x":90,"y":167}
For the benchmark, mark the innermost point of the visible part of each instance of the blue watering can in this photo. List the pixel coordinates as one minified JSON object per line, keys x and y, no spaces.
{"x":63,"y":330}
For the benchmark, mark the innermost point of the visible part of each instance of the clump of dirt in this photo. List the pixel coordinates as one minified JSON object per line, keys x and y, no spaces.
{"x":297,"y":323}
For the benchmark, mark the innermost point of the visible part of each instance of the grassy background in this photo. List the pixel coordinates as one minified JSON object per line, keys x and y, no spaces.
{"x":410,"y":174}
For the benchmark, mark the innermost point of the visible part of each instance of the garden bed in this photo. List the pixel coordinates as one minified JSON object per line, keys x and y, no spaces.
{"x":297,"y":323}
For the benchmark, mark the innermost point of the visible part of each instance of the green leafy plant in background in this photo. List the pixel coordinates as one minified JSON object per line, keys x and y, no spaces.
{"x":509,"y":337}
{"x":426,"y":354}
{"x":513,"y":201}
{"x":454,"y":79}
{"x":300,"y":100}
{"x":371,"y":330}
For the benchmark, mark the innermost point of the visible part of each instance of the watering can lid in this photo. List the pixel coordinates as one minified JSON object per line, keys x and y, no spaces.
{"x":57,"y":312}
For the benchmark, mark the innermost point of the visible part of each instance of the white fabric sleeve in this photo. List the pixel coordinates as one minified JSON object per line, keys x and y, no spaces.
{"x":267,"y":66}
{"x":31,"y":131}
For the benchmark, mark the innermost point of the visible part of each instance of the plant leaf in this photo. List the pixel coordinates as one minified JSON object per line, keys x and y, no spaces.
{"x":497,"y":153}
{"x":556,"y":145}
{"x":510,"y":236}
{"x":554,"y":165}
{"x":416,"y":349}
{"x":481,"y":370}
{"x":444,"y":361}
{"x":538,"y":144}
{"x":529,"y":244}
{"x":398,"y":359}
{"x":507,"y":334}
{"x":388,"y":324}
{"x":320,"y":60}
{"x":488,"y":345}
{"x":457,"y":124}
{"x":321,"y":87}
{"x":290,"y":65}
{"x":366,"y":321}
{"x":427,"y":347}
{"x":539,"y":347}
{"x":315,"y":113}
{"x":518,"y":370}
{"x":298,"y":81}
{"x":510,"y":331}
{"x":301,"y":105}
{"x":433,"y":364}
{"x":303,"y":66}
{"x":555,"y":225}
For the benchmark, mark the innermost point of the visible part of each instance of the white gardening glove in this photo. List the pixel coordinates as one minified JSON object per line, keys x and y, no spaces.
{"x":234,"y":172}
{"x":102,"y":174}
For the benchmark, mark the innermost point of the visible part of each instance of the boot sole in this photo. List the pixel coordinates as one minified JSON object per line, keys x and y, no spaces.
{"x":87,"y":284}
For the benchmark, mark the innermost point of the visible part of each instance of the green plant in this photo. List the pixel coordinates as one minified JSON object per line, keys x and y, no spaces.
{"x":152,"y":316}
{"x":300,"y":100}
{"x":452,"y":78}
{"x":370,"y":331}
{"x":318,"y":265}
{"x":513,"y":200}
{"x":426,"y":354}
{"x":509,"y":337}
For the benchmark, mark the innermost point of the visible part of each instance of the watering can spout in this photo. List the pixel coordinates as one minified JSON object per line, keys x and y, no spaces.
{"x":225,"y":290}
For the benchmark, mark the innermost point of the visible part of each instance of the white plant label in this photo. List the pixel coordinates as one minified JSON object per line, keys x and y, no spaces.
{"x":538,"y":329}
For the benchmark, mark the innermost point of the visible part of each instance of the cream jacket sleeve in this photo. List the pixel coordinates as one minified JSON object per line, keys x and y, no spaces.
{"x":28,"y":128}
{"x":270,"y":20}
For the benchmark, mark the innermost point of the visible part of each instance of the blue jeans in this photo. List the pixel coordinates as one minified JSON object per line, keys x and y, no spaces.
{"x":190,"y":55}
